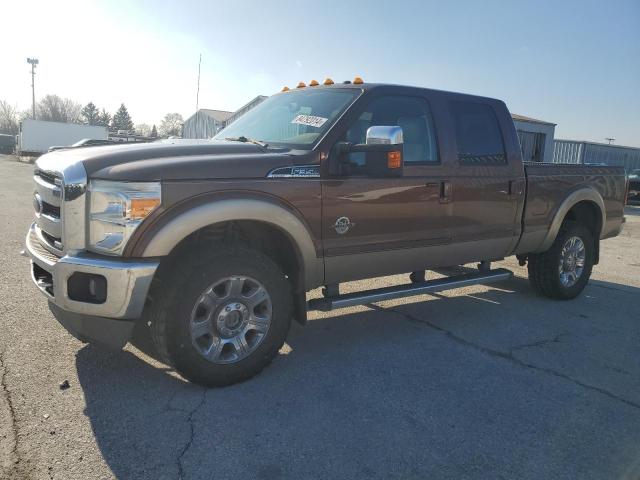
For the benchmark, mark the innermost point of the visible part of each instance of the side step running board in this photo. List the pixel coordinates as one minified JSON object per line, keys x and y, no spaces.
{"x":388,"y":293}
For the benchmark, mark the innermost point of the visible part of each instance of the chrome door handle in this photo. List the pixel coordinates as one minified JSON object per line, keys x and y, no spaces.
{"x":515,"y":188}
{"x":445,"y":191}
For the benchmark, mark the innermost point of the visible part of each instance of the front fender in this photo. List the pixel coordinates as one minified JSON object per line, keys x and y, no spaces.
{"x":171,"y":233}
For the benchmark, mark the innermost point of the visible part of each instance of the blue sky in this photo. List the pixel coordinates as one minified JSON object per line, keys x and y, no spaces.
{"x":576,"y":64}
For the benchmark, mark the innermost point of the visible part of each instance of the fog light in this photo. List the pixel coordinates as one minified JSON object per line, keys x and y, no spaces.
{"x":87,"y":287}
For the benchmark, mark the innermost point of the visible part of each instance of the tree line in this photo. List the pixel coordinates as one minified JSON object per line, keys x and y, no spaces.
{"x":57,"y":109}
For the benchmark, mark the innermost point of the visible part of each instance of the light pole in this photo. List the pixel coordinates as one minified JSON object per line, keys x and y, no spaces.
{"x":33,"y":62}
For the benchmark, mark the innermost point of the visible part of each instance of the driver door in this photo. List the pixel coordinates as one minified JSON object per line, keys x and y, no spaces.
{"x":373,"y":225}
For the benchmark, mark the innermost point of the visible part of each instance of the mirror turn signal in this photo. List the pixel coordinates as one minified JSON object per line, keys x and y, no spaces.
{"x":394,"y":159}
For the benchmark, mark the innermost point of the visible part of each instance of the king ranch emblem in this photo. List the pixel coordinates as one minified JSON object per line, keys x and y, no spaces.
{"x":342,"y":225}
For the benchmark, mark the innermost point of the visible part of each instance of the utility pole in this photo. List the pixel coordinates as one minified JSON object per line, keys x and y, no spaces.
{"x":198,"y":92}
{"x":610,"y":140}
{"x":33,"y":62}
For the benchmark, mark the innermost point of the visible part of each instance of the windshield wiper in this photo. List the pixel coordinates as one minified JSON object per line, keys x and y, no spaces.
{"x":244,"y":139}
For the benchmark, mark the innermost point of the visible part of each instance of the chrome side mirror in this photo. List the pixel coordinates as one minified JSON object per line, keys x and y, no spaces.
{"x":384,"y":135}
{"x":383,"y":153}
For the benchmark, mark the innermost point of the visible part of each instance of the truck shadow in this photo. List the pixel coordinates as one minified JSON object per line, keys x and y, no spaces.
{"x":362,"y":393}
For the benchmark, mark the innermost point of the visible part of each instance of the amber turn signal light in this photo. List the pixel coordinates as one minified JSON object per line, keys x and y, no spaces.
{"x":394,"y":159}
{"x":142,"y":207}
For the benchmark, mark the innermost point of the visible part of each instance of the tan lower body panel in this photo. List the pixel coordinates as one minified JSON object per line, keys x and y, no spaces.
{"x":343,"y":268}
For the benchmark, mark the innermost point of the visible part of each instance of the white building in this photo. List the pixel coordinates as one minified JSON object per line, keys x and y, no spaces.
{"x":536,"y":138}
{"x":204,"y":123}
{"x":245,"y":108}
{"x":576,"y":151}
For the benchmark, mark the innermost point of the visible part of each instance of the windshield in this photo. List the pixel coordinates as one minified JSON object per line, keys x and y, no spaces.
{"x":296,"y":119}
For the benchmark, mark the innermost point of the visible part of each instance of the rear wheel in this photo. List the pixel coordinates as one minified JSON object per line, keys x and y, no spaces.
{"x":221,"y":317}
{"x":563,"y":271}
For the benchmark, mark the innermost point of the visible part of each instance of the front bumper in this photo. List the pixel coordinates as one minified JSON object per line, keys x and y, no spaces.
{"x":127,"y":284}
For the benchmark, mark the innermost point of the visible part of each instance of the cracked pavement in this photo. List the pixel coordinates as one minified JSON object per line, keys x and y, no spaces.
{"x":480,"y":382}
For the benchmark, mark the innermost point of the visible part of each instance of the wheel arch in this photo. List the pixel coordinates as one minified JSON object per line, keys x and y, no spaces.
{"x":583,"y":206}
{"x":259,"y":212}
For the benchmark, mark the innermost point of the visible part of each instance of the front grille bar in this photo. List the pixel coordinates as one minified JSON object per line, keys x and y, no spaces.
{"x":59,"y":200}
{"x":48,"y":202}
{"x":50,"y":192}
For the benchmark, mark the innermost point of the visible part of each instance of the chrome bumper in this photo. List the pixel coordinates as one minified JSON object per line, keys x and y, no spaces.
{"x":127,"y":282}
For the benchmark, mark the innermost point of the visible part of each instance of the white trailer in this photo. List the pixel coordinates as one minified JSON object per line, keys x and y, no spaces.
{"x":36,"y":136}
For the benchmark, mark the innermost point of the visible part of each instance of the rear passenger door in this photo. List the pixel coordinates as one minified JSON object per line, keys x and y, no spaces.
{"x":488,"y":183}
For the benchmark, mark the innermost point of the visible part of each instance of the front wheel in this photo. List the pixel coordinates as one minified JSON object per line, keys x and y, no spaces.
{"x":563,"y":271}
{"x":221,"y":317}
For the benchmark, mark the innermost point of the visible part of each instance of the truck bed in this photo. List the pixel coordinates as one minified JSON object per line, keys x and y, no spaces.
{"x":550,"y":184}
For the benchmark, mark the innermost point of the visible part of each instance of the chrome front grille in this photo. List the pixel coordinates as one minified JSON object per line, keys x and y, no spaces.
{"x":59,"y":200}
{"x":47,"y":203}
{"x":49,"y":177}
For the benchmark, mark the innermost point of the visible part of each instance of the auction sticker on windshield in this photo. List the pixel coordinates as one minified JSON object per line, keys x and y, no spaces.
{"x":310,"y":120}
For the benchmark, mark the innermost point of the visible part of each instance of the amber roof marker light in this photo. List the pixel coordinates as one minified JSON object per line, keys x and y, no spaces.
{"x":358,"y":81}
{"x":313,"y":83}
{"x":327,"y":81}
{"x":285,"y":89}
{"x":301,"y":85}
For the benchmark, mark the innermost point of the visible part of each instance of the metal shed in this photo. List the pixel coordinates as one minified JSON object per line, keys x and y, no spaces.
{"x":573,"y":151}
{"x":536,"y":138}
{"x":204,"y":123}
{"x":244,"y":109}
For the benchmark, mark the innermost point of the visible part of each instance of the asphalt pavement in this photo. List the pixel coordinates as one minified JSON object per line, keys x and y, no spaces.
{"x":476,"y":383}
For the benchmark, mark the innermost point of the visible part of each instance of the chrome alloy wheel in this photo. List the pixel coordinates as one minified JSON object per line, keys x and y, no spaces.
{"x":572,"y":260}
{"x":230,"y":319}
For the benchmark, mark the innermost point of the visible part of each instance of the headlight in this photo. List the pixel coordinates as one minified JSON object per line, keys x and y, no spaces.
{"x":115,"y":211}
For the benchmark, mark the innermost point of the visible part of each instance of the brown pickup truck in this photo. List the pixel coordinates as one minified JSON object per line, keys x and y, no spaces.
{"x":213,"y":245}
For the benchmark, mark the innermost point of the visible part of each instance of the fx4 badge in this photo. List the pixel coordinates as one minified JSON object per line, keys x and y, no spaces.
{"x":342,"y":225}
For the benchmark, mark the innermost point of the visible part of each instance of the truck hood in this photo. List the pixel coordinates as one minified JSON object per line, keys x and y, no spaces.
{"x":178,"y":160}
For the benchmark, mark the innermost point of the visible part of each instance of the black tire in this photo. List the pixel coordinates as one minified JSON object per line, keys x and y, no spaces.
{"x":176,"y":292}
{"x":543,"y":268}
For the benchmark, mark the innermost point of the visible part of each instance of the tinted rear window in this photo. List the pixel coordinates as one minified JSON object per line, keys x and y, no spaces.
{"x":478,"y":134}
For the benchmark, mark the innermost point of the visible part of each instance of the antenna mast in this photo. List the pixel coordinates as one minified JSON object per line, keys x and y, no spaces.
{"x":198,"y":91}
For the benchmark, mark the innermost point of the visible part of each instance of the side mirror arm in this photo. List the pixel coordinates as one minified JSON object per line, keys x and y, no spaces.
{"x":339,"y":164}
{"x":343,"y":148}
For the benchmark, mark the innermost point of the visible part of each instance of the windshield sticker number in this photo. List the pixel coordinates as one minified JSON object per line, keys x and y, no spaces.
{"x":310,"y":120}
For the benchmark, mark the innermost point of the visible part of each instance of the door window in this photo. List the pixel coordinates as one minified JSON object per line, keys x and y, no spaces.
{"x":412,"y":114}
{"x":478,"y":134}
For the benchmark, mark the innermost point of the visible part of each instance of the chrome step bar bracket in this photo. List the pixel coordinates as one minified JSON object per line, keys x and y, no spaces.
{"x":408,"y":290}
